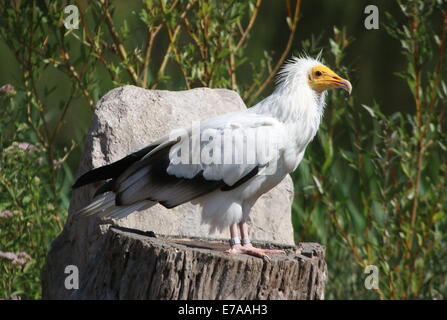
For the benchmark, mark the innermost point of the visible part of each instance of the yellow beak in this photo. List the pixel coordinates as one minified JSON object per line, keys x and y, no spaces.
{"x":323,"y":78}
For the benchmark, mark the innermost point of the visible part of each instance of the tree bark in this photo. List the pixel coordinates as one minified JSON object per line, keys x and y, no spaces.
{"x":137,"y":265}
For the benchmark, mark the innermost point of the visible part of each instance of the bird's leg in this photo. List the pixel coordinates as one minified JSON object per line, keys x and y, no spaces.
{"x":235,"y":241}
{"x":243,"y":245}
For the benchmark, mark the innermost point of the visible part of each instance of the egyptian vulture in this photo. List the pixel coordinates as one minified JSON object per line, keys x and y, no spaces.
{"x":227,"y":162}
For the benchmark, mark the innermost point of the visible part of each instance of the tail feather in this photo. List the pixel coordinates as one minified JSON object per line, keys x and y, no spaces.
{"x":104,"y":206}
{"x":102,"y":202}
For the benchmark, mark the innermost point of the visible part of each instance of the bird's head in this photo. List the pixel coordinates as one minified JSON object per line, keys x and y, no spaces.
{"x":308,"y":72}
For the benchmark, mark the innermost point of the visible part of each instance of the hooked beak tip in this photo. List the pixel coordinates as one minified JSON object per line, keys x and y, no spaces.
{"x":345,"y":84}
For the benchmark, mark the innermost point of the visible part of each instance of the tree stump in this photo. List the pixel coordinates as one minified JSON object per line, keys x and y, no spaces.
{"x":137,"y":265}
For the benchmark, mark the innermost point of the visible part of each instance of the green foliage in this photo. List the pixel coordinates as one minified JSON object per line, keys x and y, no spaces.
{"x":36,"y":213}
{"x":371,"y":189}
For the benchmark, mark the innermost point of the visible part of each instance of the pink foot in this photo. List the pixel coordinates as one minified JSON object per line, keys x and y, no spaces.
{"x":252,"y":251}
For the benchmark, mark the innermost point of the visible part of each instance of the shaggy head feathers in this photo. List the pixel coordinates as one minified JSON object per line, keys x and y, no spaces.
{"x":295,"y":71}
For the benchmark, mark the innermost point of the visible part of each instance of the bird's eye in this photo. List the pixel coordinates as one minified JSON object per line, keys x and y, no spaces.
{"x":318,"y":73}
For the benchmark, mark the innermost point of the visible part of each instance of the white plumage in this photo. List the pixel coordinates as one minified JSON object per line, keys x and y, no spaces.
{"x":285,"y":122}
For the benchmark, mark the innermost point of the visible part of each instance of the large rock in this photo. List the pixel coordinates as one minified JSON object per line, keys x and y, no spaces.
{"x":129,"y":118}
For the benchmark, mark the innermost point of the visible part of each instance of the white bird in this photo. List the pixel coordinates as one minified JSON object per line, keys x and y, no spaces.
{"x":168,"y":171}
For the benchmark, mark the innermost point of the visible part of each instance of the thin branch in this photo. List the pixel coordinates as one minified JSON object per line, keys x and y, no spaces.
{"x":172,"y":38}
{"x":283,"y":56}
{"x":151,"y":35}
{"x":118,"y":45}
{"x":420,"y":143}
{"x":87,"y":34}
{"x":246,"y":32}
{"x":204,"y":23}
{"x":200,"y":46}
{"x":232,"y":67}
{"x":149,"y":45}
{"x":168,"y":51}
{"x":164,"y":63}
{"x":62,"y":116}
{"x":69,"y":67}
{"x":91,"y":43}
{"x":190,"y":32}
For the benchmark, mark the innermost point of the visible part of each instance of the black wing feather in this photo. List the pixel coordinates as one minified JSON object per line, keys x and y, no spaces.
{"x":106,"y":187}
{"x":112,"y":170}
